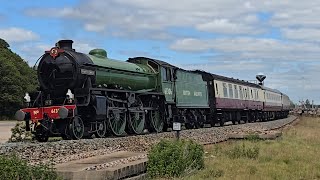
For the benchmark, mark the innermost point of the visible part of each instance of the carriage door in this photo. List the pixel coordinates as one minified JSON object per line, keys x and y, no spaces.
{"x":167,"y":83}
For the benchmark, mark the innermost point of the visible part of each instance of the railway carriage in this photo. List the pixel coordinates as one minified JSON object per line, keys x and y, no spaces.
{"x":272,"y":104}
{"x":237,"y":100}
{"x":81,"y":95}
{"x":285,"y":104}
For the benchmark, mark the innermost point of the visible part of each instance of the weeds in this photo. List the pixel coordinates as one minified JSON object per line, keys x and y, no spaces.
{"x":242,"y":151}
{"x":212,"y":173}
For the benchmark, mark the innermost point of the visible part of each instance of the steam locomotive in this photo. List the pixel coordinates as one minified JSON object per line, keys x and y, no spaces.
{"x":85,"y":94}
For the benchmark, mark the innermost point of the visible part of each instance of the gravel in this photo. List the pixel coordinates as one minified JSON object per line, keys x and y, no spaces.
{"x":68,"y":150}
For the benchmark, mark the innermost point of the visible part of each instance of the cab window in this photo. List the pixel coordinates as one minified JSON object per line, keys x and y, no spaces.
{"x":166,"y":74}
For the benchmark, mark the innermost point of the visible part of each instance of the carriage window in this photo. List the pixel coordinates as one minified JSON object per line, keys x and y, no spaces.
{"x":245,"y":93}
{"x":235,"y":91}
{"x":225,"y":90}
{"x":240,"y":92}
{"x":166,"y":74}
{"x":230,"y":90}
{"x":217,"y":88}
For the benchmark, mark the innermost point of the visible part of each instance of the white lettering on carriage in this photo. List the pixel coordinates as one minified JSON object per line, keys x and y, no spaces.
{"x":167,"y":91}
{"x":186,"y":93}
{"x":197,"y":93}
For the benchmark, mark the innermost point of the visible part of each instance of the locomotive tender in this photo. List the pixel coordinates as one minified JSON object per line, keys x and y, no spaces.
{"x":85,"y":94}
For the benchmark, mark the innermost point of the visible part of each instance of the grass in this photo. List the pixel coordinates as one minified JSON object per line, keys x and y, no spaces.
{"x":295,"y":155}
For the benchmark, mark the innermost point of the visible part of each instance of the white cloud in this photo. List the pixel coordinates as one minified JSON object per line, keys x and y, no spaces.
{"x":83,"y":47}
{"x":224,"y":26}
{"x":251,"y":48}
{"x":15,"y":34}
{"x":304,"y":34}
{"x":134,"y":17}
{"x":32,"y":51}
{"x":227,"y":17}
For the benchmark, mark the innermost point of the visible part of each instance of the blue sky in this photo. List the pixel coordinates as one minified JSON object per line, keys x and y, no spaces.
{"x":232,"y":38}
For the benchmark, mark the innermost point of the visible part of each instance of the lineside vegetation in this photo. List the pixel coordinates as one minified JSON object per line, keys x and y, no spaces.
{"x":12,"y":167}
{"x":295,"y":155}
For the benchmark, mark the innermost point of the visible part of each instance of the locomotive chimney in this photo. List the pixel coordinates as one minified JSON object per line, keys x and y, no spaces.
{"x":260,"y":77}
{"x":65,"y":44}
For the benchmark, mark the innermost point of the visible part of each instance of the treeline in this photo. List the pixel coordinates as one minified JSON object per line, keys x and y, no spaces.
{"x":16,"y":78}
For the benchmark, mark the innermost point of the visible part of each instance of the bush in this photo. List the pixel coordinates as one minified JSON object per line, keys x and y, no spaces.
{"x":240,"y":151}
{"x":19,"y":133}
{"x":12,"y":167}
{"x":174,"y":158}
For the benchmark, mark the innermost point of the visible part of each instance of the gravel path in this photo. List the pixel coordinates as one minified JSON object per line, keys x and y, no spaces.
{"x":63,"y":151}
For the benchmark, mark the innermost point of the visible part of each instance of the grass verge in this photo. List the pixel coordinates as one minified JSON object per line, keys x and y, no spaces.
{"x":295,"y":155}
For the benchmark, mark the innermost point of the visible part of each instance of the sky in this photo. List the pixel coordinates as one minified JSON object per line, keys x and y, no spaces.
{"x":233,"y":38}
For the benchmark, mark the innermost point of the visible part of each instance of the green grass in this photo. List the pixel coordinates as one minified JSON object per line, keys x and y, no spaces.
{"x":295,"y":155}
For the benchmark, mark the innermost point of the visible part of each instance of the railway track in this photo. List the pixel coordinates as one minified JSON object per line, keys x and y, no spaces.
{"x":68,"y":150}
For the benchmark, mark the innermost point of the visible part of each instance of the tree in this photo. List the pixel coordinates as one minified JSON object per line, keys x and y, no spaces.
{"x":3,"y":44}
{"x":307,"y":103}
{"x":16,"y":78}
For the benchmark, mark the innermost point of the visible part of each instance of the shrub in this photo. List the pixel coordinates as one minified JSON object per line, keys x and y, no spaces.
{"x":12,"y":167}
{"x":174,"y":158}
{"x":240,"y":151}
{"x":19,"y":133}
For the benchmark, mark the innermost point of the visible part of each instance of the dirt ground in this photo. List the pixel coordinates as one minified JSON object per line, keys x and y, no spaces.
{"x":5,"y":127}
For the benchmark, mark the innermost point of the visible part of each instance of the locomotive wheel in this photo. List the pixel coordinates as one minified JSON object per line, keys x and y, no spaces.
{"x":238,"y":117}
{"x":76,"y":128}
{"x":101,"y":129}
{"x":199,"y":119}
{"x":42,"y":138}
{"x":189,"y":125}
{"x":136,"y":122}
{"x":41,"y":134}
{"x":136,"y":118}
{"x":117,"y":122}
{"x":233,"y":117}
{"x":221,"y":122}
{"x":156,"y":118}
{"x":223,"y":117}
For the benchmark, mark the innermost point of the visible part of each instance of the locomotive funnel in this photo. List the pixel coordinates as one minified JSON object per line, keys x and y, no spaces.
{"x":65,"y":44}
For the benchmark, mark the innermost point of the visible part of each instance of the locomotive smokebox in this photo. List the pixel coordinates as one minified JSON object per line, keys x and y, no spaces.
{"x":65,"y":44}
{"x":260,"y":78}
